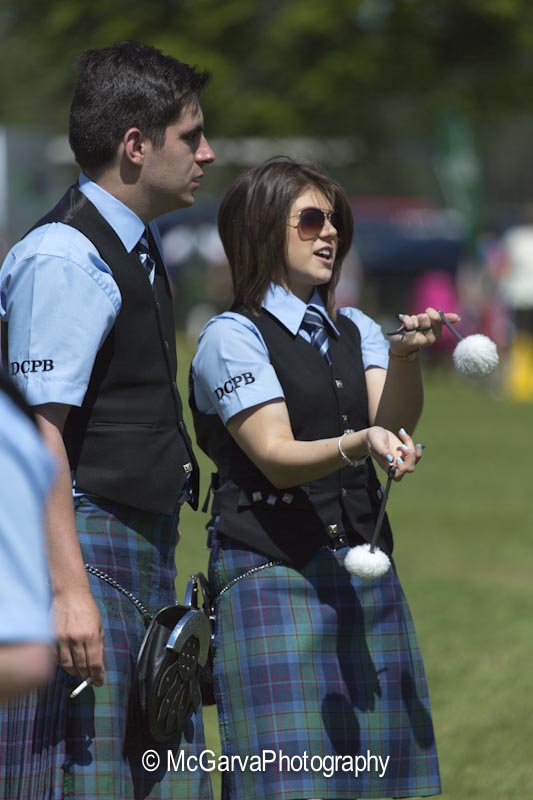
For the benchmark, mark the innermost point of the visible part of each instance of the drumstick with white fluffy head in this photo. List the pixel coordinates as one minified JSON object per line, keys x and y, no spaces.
{"x":473,"y":355}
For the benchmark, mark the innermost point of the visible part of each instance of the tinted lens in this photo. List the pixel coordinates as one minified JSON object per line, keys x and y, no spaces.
{"x":312,"y":220}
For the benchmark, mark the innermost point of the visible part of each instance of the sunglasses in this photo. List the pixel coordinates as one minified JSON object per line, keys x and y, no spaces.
{"x":312,"y":220}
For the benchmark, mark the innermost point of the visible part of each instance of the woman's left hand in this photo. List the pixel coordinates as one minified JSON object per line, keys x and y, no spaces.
{"x":421,"y":330}
{"x":393,"y":450}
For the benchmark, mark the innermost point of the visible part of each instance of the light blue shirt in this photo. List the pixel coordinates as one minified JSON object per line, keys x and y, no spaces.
{"x":26,"y":475}
{"x":61,"y":300}
{"x":232,"y":369}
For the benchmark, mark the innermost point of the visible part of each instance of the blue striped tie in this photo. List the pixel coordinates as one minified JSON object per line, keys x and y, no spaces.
{"x":313,"y":323}
{"x":145,"y":256}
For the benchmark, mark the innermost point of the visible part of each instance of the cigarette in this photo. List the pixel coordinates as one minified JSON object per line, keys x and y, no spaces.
{"x":79,"y":689}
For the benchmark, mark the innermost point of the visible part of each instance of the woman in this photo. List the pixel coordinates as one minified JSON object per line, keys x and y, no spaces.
{"x":317,"y":672}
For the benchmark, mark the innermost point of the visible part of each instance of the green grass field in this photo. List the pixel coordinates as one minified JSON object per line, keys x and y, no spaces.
{"x":463,"y":528}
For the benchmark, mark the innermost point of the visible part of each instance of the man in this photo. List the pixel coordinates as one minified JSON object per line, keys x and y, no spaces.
{"x":89,"y":338}
{"x":26,"y":475}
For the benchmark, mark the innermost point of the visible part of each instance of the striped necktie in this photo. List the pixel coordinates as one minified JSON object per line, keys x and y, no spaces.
{"x":313,"y":323}
{"x":145,"y":256}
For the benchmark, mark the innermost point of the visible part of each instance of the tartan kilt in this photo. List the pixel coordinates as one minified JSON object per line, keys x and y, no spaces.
{"x":90,"y":748}
{"x":322,"y":663}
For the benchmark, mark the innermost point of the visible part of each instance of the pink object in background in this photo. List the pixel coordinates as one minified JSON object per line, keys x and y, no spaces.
{"x":436,"y":288}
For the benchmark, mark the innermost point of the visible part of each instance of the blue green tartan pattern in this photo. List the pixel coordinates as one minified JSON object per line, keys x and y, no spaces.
{"x":322,"y":662}
{"x":90,"y":748}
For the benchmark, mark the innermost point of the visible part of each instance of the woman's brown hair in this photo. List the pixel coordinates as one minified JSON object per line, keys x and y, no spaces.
{"x":252,"y":222}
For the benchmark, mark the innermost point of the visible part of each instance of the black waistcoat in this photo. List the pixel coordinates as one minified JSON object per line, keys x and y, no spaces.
{"x":322,"y":401}
{"x":128,"y":442}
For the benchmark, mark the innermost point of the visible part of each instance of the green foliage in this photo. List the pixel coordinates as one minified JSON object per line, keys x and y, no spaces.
{"x":305,"y":67}
{"x":462,"y":527}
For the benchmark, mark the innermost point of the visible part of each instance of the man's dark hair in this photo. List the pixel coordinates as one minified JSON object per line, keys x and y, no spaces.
{"x":127,"y":85}
{"x":252,"y":222}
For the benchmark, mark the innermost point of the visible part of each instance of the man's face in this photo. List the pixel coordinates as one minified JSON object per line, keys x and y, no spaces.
{"x":172,"y":173}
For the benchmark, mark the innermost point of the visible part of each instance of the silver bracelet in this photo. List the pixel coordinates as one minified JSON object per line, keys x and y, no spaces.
{"x":353,"y":462}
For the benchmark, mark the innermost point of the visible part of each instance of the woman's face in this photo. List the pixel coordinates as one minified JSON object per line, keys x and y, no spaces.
{"x":310,"y":255}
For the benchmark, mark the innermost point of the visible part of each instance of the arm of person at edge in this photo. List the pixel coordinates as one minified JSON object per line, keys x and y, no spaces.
{"x":23,"y":666}
{"x":395,"y":398}
{"x":80,"y":636}
{"x":26,"y":634}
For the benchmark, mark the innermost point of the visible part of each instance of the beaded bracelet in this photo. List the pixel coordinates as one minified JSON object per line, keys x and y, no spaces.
{"x":353,"y":462}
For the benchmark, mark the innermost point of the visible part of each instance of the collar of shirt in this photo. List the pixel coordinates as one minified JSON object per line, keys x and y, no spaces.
{"x":126,"y":224}
{"x":289,"y":309}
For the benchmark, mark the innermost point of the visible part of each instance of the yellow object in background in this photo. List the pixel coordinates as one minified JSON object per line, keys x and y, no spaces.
{"x":520,"y":368}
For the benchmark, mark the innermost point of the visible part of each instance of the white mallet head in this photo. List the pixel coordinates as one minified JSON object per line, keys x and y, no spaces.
{"x":364,"y":563}
{"x":474,"y":355}
{"x":367,"y":560}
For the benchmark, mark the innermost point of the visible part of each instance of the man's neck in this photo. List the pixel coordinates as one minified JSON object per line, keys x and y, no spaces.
{"x":126,"y":189}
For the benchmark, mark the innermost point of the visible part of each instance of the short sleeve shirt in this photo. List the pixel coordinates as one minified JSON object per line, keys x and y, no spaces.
{"x":60,"y":301}
{"x":26,"y":474}
{"x":232,"y":369}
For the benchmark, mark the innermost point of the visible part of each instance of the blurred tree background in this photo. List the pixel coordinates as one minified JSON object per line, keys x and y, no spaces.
{"x":382,"y":72}
{"x":425,"y":99}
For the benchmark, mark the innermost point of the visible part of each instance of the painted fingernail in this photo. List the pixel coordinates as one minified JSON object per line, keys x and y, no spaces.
{"x":403,"y":431}
{"x":399,"y":460}
{"x":420,"y":446}
{"x":404,"y":447}
{"x":389,"y":458}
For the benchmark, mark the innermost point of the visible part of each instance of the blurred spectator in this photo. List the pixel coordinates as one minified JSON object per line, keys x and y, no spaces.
{"x":494,"y":319}
{"x":517,"y":271}
{"x":26,"y":473}
{"x":516,"y":287}
{"x":199,"y":271}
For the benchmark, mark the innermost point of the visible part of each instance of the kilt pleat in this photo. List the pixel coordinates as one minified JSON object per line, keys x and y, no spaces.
{"x":322,"y":663}
{"x":90,"y":748}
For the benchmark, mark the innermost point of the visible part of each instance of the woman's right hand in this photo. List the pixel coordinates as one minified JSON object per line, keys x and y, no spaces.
{"x":393,"y":450}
